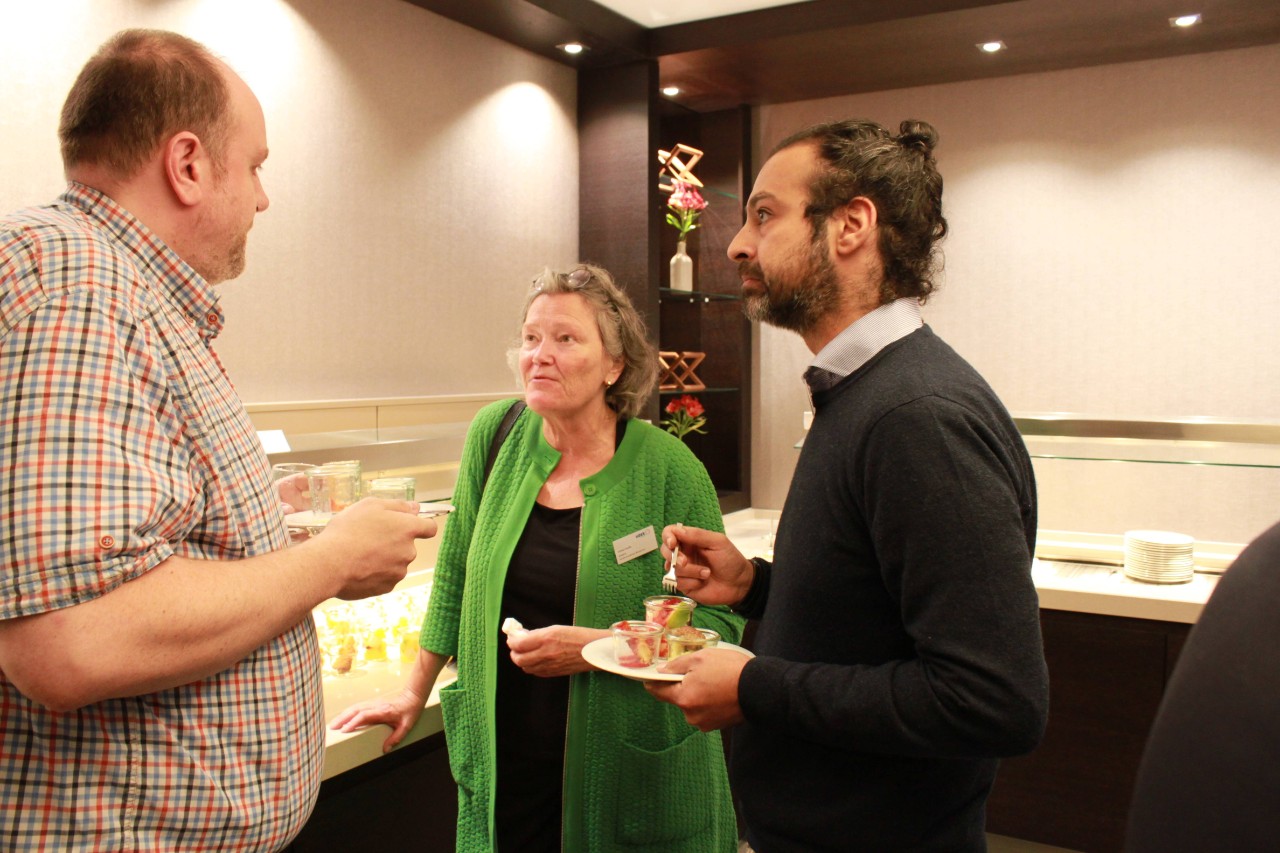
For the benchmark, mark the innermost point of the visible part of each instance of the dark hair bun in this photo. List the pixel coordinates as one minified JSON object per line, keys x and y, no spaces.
{"x":918,"y":135}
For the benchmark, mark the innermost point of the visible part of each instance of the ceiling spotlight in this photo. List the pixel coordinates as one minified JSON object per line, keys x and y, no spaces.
{"x":670,"y":91}
{"x":991,"y":46}
{"x":573,"y":47}
{"x":1185,"y":20}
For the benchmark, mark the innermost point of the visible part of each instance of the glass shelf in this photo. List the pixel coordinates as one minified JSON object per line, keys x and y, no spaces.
{"x":669,"y":391}
{"x":665,"y":184}
{"x":1186,"y":441}
{"x":428,"y":452}
{"x":356,"y":439}
{"x":667,"y":294}
{"x":1226,"y":454}
{"x":1199,"y":441}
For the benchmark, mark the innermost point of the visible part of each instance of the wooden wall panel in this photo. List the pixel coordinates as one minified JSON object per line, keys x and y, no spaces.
{"x":1107,"y":676}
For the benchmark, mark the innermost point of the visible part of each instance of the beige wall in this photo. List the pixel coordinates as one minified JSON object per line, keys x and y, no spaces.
{"x":420,"y":174}
{"x":1111,"y":249}
{"x":1112,"y":253}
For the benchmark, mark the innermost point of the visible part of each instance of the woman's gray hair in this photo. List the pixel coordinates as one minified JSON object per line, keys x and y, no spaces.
{"x":622,"y":330}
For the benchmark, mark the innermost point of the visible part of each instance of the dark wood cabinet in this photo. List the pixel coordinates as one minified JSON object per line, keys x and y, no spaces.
{"x":1106,"y":678}
{"x":710,"y":319}
{"x":405,"y":800}
{"x":622,"y":123}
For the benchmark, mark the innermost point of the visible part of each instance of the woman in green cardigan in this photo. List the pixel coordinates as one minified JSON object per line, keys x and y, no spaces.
{"x":548,"y":753}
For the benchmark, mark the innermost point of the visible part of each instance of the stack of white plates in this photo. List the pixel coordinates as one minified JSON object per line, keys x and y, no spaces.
{"x":1158,"y":556}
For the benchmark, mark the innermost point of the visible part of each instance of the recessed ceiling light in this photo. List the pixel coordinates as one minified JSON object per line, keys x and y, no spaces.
{"x":991,"y":46}
{"x":1185,"y":20}
{"x":670,"y":91}
{"x":572,"y":47}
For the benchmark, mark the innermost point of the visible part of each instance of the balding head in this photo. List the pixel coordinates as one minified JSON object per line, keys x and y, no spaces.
{"x":139,"y":89}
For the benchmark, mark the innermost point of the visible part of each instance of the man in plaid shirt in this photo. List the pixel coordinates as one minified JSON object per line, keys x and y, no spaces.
{"x":159,"y":673}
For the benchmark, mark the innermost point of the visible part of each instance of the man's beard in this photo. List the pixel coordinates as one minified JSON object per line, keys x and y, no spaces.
{"x":233,"y":262}
{"x":798,"y":298}
{"x":223,"y":237}
{"x":223,"y":252}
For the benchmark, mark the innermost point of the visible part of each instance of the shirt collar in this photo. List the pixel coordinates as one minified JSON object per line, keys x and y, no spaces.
{"x":185,"y":287}
{"x":861,"y":340}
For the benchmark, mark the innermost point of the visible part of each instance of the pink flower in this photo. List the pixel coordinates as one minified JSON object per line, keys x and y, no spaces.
{"x":684,"y":206}
{"x":685,"y":197}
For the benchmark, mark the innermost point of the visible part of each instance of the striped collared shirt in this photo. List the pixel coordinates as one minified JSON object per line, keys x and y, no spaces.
{"x":861,"y":340}
{"x":122,"y":442}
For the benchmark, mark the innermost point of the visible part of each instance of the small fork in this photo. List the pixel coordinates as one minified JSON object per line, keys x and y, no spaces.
{"x":669,"y":579}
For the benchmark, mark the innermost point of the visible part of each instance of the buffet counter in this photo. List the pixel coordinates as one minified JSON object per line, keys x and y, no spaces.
{"x":1105,"y":590}
{"x":1065,"y":586}
{"x":398,"y":616}
{"x":343,"y":751}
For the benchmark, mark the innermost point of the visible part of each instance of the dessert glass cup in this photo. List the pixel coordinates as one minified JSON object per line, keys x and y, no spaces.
{"x":296,"y":473}
{"x":394,"y":488}
{"x":334,"y":486}
{"x":669,"y":611}
{"x":678,"y":645}
{"x":635,"y":644}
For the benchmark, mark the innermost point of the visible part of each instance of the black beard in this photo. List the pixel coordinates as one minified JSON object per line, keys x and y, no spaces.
{"x":800,"y":304}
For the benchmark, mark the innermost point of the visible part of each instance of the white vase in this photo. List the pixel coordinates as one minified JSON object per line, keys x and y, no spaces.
{"x":681,"y":269}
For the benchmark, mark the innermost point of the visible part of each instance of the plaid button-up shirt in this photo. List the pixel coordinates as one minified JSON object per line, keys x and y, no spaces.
{"x":122,"y":442}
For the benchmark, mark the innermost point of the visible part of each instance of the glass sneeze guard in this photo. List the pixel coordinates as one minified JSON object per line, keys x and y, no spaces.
{"x":1186,"y":441}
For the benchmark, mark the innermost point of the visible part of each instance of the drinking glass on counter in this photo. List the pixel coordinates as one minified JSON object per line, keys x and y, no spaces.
{"x":382,"y":630}
{"x":340,"y":640}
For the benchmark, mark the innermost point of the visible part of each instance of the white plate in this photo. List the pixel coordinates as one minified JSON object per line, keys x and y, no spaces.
{"x":599,"y":653}
{"x":309,"y":519}
{"x":1158,"y":539}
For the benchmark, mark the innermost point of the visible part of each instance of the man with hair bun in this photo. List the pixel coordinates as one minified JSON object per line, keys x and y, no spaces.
{"x":159,"y":671}
{"x":899,"y":651}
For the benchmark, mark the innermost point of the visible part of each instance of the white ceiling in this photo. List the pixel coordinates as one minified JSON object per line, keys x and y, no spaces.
{"x":661,"y":13}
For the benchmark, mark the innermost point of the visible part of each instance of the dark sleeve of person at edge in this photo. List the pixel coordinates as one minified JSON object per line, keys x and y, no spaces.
{"x":1210,"y":775}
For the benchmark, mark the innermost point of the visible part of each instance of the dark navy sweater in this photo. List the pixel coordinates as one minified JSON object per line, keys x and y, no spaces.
{"x":899,"y":650}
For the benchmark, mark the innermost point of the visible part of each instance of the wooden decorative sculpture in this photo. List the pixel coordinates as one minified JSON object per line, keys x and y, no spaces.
{"x":677,"y":371}
{"x":680,"y":170}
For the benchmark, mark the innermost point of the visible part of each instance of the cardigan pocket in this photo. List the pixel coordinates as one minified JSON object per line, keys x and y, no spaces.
{"x":662,"y":795}
{"x":459,"y":737}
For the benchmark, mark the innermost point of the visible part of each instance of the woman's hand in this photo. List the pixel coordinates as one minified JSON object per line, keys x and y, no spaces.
{"x":552,"y":651}
{"x":400,"y":711}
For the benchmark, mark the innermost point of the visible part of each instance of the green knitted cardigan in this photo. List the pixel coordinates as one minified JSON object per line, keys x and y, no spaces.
{"x":652,"y":782}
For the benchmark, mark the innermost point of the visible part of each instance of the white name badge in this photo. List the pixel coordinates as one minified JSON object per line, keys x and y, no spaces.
{"x":635,"y":545}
